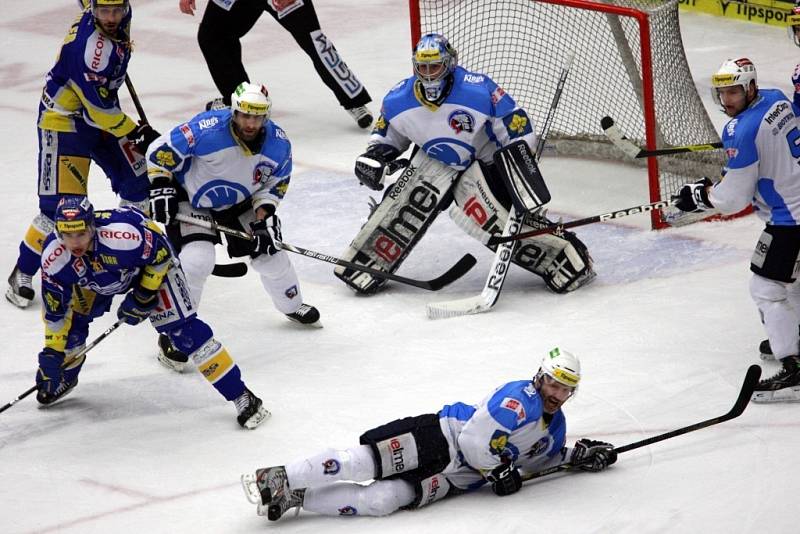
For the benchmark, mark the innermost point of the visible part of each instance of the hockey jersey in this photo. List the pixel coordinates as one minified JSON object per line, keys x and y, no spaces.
{"x":84,"y":82}
{"x":475,"y":119}
{"x":763,"y":148}
{"x":127,"y":248}
{"x":216,"y":169}
{"x":507,"y":426}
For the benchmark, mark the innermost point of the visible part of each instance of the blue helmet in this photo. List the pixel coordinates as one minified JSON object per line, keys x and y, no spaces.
{"x":74,"y":213}
{"x":434,"y":61}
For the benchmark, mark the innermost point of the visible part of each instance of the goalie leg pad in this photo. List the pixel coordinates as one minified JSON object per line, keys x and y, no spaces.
{"x":399,"y":222}
{"x":563,"y":261}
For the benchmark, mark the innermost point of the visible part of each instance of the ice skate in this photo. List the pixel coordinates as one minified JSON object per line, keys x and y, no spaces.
{"x":766,"y":349}
{"x":20,"y":291}
{"x":306,"y":315}
{"x":362,"y":115}
{"x":48,"y":399}
{"x":169,"y":356}
{"x":782,"y":387}
{"x":250,"y":409}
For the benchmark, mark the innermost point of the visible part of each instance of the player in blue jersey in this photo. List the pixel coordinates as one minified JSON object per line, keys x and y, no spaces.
{"x":92,"y":256}
{"x":80,"y":120}
{"x":456,"y":120}
{"x":231,"y":166}
{"x":519,"y":428}
{"x":762,"y":142}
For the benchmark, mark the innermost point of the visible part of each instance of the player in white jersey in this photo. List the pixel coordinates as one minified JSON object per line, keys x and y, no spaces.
{"x":456,"y":120}
{"x":762,"y":141}
{"x":231,"y":166}
{"x":518,"y":428}
{"x":794,"y":34}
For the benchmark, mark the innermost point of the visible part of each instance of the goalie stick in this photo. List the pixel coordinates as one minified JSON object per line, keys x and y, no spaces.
{"x":224,"y":270}
{"x":69,"y":362}
{"x":454,"y":273}
{"x":632,"y":150}
{"x":746,"y":391}
{"x":505,"y":251}
{"x":603,"y":217}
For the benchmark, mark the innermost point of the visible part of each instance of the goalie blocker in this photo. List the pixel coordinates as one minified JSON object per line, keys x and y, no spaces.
{"x":426,"y":187}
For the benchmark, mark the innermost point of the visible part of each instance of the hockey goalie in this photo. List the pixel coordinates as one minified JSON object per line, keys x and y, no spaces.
{"x":463,"y":127}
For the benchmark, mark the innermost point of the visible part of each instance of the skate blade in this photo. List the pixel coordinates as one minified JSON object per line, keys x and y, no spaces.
{"x":250,"y":487}
{"x":17,"y":300}
{"x":178,"y":367}
{"x":257,"y":418}
{"x":781,"y":395}
{"x":315,"y":324}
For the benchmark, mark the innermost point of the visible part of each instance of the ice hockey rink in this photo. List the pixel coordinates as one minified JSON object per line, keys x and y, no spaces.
{"x":665,"y":333}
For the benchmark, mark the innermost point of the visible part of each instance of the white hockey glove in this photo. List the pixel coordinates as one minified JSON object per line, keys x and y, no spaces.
{"x":591,"y":455}
{"x":694,"y":197}
{"x":373,"y":165}
{"x":266,"y":235}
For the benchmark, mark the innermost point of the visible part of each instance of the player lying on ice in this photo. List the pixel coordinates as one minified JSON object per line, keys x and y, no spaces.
{"x":519,"y":428}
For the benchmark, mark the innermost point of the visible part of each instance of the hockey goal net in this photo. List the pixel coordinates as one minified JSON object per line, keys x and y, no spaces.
{"x":629,"y":64}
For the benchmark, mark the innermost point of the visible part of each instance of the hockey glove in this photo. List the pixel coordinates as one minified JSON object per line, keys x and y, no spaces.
{"x":142,"y":136}
{"x":373,"y":165}
{"x":137,"y":306}
{"x":591,"y":455}
{"x":50,"y":373}
{"x":693,"y":197}
{"x":163,"y":200}
{"x":505,"y":479}
{"x":266,"y":235}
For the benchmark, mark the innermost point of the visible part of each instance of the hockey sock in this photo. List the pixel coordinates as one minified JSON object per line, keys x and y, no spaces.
{"x":382,"y":497}
{"x":356,"y":464}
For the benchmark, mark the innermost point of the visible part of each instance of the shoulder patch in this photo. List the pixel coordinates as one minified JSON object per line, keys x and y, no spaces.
{"x":55,"y":257}
{"x":515,"y":406}
{"x":518,"y":124}
{"x":165,"y":157}
{"x":120,"y":236}
{"x":186,"y":130}
{"x":98,"y":51}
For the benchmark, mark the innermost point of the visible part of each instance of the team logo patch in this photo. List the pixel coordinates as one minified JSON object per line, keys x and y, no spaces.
{"x":540,"y":447}
{"x":331,"y":466}
{"x":517,"y":124}
{"x":381,"y":125}
{"x":515,"y":406}
{"x":499,"y":442}
{"x":291,"y":292}
{"x":731,"y":152}
{"x":497,"y":94}
{"x":187,"y":133}
{"x":261,"y":173}
{"x":165,"y":157}
{"x":348,"y":510}
{"x":461,"y":121}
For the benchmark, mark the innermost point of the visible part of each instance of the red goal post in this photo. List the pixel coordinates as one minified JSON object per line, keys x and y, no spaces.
{"x":629,"y":64}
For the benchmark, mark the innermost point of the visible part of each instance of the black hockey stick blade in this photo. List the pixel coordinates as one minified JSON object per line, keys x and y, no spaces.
{"x":633,"y":150}
{"x":453,"y":273}
{"x":748,"y":386}
{"x":230,"y":270}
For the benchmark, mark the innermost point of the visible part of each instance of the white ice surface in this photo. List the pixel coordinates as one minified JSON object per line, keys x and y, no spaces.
{"x":665,"y":334}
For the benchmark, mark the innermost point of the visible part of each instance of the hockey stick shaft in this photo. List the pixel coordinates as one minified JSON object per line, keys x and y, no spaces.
{"x":135,"y":97}
{"x":455,"y":272}
{"x":632,"y":150}
{"x":746,"y":391}
{"x":603,"y":217}
{"x":68,"y":362}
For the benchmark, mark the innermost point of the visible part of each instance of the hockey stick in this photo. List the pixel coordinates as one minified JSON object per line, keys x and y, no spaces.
{"x":505,"y":251}
{"x":225,"y":270}
{"x":454,"y":273}
{"x":603,"y":217}
{"x":748,"y":386}
{"x":632,"y":150}
{"x":69,"y":362}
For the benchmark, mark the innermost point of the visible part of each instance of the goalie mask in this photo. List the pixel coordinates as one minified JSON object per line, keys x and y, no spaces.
{"x":731,"y":73}
{"x":558,"y":378}
{"x":434,"y":62}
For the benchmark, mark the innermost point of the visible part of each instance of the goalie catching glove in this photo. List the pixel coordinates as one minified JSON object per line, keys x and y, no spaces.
{"x":505,"y":479}
{"x":373,"y":165}
{"x":591,"y":455}
{"x":266,"y":235}
{"x":694,"y":197}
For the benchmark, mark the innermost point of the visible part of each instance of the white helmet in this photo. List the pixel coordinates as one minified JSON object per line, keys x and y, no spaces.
{"x":794,"y":21}
{"x":731,"y":73}
{"x":562,"y":366}
{"x":252,"y":99}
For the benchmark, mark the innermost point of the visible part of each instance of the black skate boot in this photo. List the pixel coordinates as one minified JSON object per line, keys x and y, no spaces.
{"x":250,"y":409}
{"x":294,"y":500}
{"x":362,"y":115}
{"x":269,"y":489}
{"x":306,"y":315}
{"x":766,"y":350}
{"x":782,"y":387}
{"x":47,"y":399}
{"x":20,"y":291}
{"x":169,"y":356}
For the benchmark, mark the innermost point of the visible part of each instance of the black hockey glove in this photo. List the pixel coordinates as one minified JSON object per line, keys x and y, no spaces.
{"x":373,"y":165}
{"x":142,"y":136}
{"x":693,"y":197}
{"x":163,"y":200}
{"x":591,"y":455}
{"x":137,"y":306}
{"x":266,"y":235}
{"x":49,"y":374}
{"x":505,"y":479}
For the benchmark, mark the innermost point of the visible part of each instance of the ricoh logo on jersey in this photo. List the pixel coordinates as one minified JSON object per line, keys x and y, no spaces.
{"x":97,"y":52}
{"x":119,"y":234}
{"x":396,"y":236}
{"x":54,"y":255}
